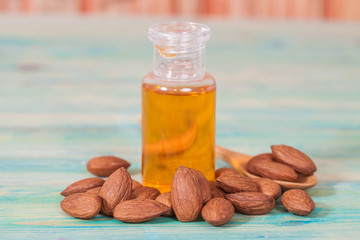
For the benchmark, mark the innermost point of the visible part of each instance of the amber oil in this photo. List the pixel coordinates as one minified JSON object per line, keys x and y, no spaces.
{"x":178,"y":129}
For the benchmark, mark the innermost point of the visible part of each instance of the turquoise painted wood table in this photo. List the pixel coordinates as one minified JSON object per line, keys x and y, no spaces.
{"x":70,"y":90}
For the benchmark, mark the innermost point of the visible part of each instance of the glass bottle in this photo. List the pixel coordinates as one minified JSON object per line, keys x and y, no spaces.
{"x":178,"y":105}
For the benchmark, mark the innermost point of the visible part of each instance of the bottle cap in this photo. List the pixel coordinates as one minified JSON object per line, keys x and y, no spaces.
{"x":179,"y":36}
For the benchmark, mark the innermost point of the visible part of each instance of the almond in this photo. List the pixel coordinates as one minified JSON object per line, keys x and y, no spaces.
{"x":104,"y":166}
{"x":298,"y":202}
{"x":117,"y":188}
{"x":218,"y":211}
{"x":265,"y":166}
{"x":268,"y":187}
{"x":215,"y":191}
{"x":83,"y":185}
{"x":94,"y":191}
{"x":186,"y":195}
{"x":139,"y":210}
{"x":251,"y":203}
{"x":204,"y":185}
{"x":165,"y":198}
{"x":145,"y":192}
{"x":236,"y":183}
{"x":294,"y":158}
{"x":81,"y":205}
{"x":226,"y":171}
{"x":135,"y":184}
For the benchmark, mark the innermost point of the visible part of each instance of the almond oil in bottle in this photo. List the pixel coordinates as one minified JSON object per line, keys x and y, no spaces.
{"x":178,"y":106}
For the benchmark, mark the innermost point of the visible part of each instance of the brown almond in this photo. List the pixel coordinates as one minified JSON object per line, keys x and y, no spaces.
{"x":298,"y":202}
{"x":81,"y":205}
{"x":264,"y":165}
{"x":145,"y":192}
{"x":226,"y":171}
{"x":186,"y":195}
{"x":251,"y":203}
{"x":257,"y":159}
{"x":135,"y":184}
{"x":236,"y":183}
{"x":94,"y":191}
{"x":294,"y":158}
{"x":218,"y":211}
{"x":215,"y":191}
{"x":139,"y":210}
{"x":165,"y":198}
{"x":83,"y":185}
{"x":117,"y":188}
{"x":104,"y":166}
{"x":268,"y":187}
{"x":204,"y":185}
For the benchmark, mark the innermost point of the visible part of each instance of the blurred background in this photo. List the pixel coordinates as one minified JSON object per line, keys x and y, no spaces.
{"x":271,"y":9}
{"x":71,"y":71}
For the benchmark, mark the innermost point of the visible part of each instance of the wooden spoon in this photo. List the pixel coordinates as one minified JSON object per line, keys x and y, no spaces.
{"x":239,"y":161}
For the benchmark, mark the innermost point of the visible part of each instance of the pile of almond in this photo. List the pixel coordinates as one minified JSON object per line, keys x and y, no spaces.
{"x":192,"y":197}
{"x":285,"y":163}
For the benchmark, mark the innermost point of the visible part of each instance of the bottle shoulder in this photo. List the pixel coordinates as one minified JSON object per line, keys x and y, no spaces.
{"x":207,"y":79}
{"x":163,"y":86}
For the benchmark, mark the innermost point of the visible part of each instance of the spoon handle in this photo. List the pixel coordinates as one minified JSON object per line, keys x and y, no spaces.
{"x":235,"y":159}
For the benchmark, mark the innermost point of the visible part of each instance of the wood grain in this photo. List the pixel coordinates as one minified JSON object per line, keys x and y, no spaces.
{"x":70,"y":90}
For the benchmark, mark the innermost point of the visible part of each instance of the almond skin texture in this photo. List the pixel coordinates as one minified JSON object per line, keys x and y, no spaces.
{"x":218,"y":211}
{"x":226,"y":171}
{"x":186,"y":195}
{"x":165,"y":198}
{"x":135,"y":184}
{"x":236,"y":183}
{"x":264,"y":165}
{"x":117,"y":188}
{"x":145,"y":192}
{"x":215,"y":191}
{"x":104,"y":166}
{"x":205,"y":188}
{"x":294,"y":158}
{"x":83,"y":186}
{"x":251,"y":203}
{"x":94,"y":191}
{"x":268,"y":187}
{"x":81,"y":205}
{"x":139,"y":210}
{"x":298,"y":202}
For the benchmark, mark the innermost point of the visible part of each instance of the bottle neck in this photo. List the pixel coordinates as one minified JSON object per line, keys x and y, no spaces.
{"x":177,"y":65}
